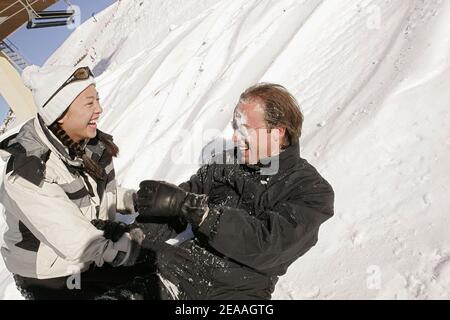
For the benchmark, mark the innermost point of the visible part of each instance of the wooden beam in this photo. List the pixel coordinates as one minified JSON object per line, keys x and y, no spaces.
{"x":13,"y":14}
{"x":17,"y":96}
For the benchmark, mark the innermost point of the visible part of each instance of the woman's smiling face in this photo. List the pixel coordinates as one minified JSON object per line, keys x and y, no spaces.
{"x":80,"y":120}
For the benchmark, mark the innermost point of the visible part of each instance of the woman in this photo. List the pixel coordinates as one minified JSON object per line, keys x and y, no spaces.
{"x":59,"y":184}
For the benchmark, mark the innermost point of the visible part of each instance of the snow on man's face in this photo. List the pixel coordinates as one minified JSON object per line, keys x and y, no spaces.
{"x":252,"y":136}
{"x":80,"y":120}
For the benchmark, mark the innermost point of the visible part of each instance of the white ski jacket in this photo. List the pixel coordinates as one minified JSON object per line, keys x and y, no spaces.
{"x":49,"y":204}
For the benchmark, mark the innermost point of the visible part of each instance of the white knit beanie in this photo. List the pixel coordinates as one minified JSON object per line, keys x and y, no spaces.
{"x":45,"y":81}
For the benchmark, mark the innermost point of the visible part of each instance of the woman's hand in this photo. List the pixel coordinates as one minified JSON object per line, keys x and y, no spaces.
{"x":112,"y":230}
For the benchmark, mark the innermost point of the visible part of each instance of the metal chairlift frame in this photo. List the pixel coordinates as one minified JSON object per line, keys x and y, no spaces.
{"x":44,"y":19}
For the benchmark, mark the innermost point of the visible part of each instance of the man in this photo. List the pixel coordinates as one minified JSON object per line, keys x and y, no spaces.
{"x":253,"y":212}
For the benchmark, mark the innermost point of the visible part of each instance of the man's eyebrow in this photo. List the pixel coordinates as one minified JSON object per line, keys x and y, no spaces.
{"x":92,"y":97}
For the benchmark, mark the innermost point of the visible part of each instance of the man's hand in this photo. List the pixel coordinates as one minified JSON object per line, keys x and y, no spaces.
{"x":162,"y":199}
{"x":159,"y":199}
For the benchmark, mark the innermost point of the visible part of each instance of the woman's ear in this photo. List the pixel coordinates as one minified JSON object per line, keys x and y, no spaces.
{"x":63,"y":117}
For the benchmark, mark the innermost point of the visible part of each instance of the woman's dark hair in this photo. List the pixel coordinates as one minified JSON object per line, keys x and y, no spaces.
{"x":78,"y":149}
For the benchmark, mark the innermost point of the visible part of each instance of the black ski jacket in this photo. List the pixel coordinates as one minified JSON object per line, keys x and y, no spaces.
{"x":258,"y":224}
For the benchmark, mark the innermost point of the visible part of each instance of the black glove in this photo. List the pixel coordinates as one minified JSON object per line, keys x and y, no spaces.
{"x":162,"y":199}
{"x":113,"y":230}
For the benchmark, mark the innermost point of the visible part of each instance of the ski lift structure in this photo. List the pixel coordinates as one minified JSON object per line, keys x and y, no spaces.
{"x":33,"y":13}
{"x":45,"y":19}
{"x":13,"y":15}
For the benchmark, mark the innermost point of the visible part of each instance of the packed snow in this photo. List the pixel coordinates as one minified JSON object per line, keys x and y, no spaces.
{"x":372,"y":78}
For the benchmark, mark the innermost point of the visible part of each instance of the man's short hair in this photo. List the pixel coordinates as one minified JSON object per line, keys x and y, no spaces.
{"x":281,"y":109}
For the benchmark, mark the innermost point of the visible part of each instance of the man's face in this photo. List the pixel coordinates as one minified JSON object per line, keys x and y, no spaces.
{"x":252,"y":135}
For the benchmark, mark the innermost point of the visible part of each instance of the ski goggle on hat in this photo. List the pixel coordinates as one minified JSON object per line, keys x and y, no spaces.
{"x":82,"y":73}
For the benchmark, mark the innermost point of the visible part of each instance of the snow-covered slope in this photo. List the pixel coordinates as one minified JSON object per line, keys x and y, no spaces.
{"x":372,"y":78}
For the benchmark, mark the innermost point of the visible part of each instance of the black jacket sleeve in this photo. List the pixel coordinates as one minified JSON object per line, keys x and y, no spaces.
{"x":272,"y":238}
{"x":199,"y":183}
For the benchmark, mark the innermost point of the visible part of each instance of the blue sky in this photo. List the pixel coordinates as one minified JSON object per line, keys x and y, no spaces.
{"x":37,"y":45}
